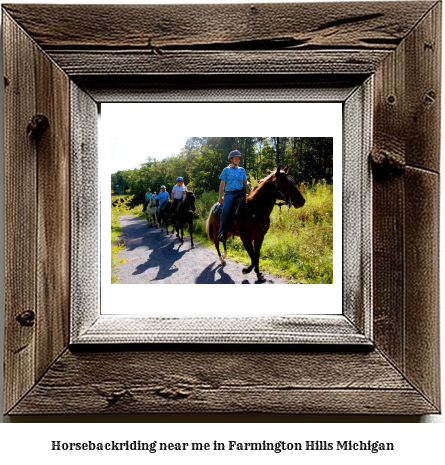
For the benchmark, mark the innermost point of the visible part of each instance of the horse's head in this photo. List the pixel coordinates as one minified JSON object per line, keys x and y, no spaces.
{"x":190,"y":197}
{"x":287,"y":190}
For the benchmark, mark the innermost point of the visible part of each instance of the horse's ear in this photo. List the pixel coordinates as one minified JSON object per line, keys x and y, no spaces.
{"x":278,"y":169}
{"x":286,"y":170}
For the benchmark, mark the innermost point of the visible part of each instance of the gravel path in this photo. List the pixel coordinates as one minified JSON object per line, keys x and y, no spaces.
{"x":155,"y":258}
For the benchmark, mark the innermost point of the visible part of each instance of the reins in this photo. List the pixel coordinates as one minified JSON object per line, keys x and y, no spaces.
{"x":189,"y":206}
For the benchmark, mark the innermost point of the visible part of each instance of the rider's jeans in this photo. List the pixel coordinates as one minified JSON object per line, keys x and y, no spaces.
{"x":229,"y":197}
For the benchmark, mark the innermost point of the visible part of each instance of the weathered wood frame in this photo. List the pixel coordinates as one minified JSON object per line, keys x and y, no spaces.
{"x":96,"y":53}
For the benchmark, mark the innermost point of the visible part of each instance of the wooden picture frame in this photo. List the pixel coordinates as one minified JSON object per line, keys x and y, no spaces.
{"x":56,"y":71}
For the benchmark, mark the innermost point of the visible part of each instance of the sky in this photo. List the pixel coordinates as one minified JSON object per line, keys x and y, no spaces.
{"x":128,"y":153}
{"x":130,"y":134}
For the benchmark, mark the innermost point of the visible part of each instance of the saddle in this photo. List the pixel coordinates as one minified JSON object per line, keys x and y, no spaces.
{"x":238,"y":201}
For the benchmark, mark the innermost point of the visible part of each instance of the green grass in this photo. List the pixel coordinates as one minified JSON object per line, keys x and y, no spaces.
{"x":119,"y":206}
{"x":299,"y":244}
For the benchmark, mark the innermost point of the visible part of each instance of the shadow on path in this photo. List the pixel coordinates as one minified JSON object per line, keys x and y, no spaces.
{"x":212,"y":275}
{"x":152,"y":257}
{"x":162,"y":258}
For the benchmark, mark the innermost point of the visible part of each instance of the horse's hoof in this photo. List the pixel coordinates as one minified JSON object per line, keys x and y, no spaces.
{"x":193,"y":246}
{"x":223,"y":262}
{"x":261,"y":278}
{"x":246,"y":270}
{"x":224,"y":255}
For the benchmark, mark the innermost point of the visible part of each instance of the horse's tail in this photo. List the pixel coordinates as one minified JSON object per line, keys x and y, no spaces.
{"x":209,"y":228}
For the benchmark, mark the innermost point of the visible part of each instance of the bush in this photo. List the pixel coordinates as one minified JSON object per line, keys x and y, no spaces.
{"x":119,"y":205}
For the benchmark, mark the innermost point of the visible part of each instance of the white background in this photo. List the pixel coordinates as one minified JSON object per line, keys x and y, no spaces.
{"x":222,"y":120}
{"x":30,"y":443}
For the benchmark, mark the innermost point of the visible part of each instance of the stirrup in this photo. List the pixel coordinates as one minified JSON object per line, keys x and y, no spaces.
{"x":222,"y":237}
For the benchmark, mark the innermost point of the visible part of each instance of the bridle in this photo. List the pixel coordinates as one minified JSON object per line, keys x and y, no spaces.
{"x":286,"y":200}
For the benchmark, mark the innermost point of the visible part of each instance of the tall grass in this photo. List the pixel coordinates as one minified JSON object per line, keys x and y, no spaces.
{"x":299,"y":243}
{"x":119,"y":205}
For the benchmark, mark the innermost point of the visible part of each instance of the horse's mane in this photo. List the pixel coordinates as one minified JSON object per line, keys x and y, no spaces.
{"x":260,"y":184}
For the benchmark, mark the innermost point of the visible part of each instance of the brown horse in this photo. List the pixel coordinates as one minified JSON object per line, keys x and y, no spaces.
{"x":163,"y":215}
{"x":251,"y":221}
{"x":185,"y":214}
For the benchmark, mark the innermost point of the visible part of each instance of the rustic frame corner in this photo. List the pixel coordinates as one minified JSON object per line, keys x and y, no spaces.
{"x":54,"y":65}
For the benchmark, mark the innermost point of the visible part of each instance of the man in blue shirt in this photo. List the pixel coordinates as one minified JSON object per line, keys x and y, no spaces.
{"x":233,"y":178}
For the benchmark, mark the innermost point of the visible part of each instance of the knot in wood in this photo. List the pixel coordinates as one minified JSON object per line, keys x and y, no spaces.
{"x":172,"y":393}
{"x":387,"y":163}
{"x":430,"y":97}
{"x":37,"y":126}
{"x":26,"y":318}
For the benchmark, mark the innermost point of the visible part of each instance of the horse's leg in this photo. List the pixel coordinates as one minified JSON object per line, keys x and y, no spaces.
{"x":224,"y":255}
{"x":249,"y":247}
{"x":257,"y":246}
{"x":221,"y":258}
{"x":181,"y":239}
{"x":191,"y":233}
{"x":176,"y":225}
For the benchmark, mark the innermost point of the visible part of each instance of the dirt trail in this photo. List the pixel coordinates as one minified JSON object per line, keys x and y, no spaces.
{"x":155,"y":258}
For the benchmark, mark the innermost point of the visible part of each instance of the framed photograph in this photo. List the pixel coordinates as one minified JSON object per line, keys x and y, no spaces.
{"x":366,"y":341}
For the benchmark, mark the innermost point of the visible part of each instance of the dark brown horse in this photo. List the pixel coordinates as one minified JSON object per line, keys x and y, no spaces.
{"x":185,"y":214}
{"x":163,"y":215}
{"x":252,"y":221}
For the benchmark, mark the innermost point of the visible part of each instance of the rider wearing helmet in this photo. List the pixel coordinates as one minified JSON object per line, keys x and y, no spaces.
{"x":177,"y":195}
{"x":162,"y":197}
{"x":147,"y":199}
{"x":233,"y":178}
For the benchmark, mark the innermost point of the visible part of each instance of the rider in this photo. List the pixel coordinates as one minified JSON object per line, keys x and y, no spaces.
{"x":233,"y":178}
{"x":162,"y":197}
{"x":178,"y":195}
{"x":147,"y":199}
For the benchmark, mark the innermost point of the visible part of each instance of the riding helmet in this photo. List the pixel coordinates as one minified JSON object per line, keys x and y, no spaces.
{"x":179,"y":179}
{"x":163,"y":187}
{"x":234,"y":153}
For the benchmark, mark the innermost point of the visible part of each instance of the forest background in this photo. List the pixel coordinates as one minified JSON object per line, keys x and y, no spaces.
{"x":202,"y":159}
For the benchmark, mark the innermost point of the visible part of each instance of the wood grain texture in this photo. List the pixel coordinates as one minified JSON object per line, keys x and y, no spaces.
{"x":423,"y":91}
{"x":20,"y":212}
{"x":274,"y":26}
{"x":399,"y":42}
{"x":218,"y":382}
{"x":53,"y":200}
{"x":85,"y":211}
{"x":219,"y":87}
{"x":121,"y":63}
{"x":406,"y":208}
{"x":422,"y":281}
